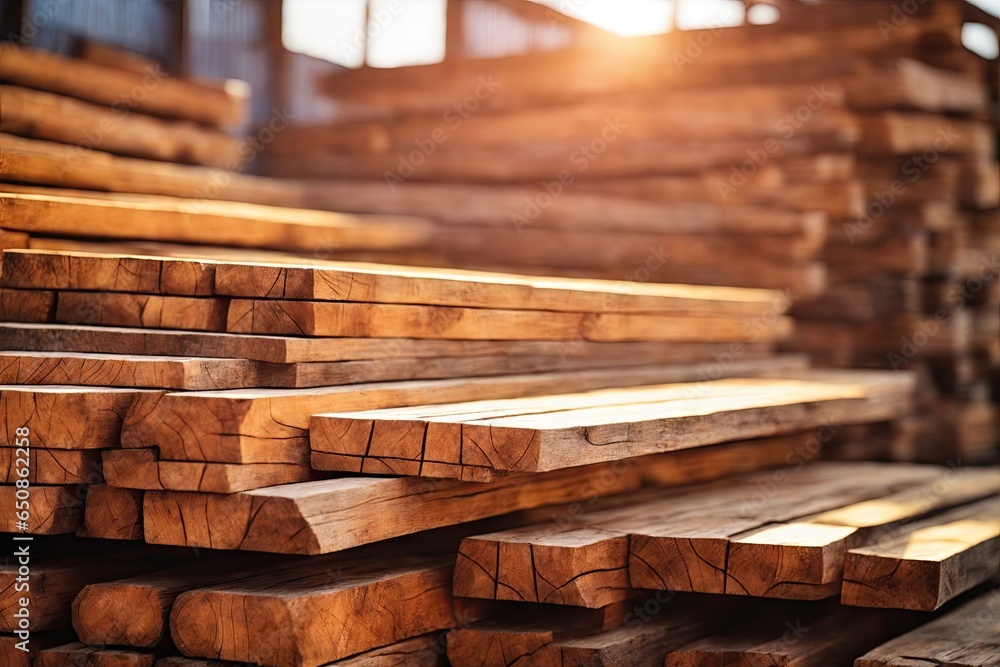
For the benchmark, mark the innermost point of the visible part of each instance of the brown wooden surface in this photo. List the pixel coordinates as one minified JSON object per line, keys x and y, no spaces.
{"x":113,"y":513}
{"x":271,"y":426}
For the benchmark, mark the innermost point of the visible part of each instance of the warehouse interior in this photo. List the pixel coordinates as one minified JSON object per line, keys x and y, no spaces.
{"x":625,"y":333}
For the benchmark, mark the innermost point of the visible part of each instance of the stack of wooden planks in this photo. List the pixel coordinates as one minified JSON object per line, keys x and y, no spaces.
{"x":225,"y":443}
{"x":865,"y":186}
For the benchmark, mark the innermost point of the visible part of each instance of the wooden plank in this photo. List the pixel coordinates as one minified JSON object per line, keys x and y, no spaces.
{"x":51,"y":466}
{"x":814,"y":637}
{"x":27,"y":306}
{"x":441,"y":287}
{"x":423,"y":651}
{"x":74,"y":368}
{"x":134,"y":610}
{"x":811,"y":551}
{"x":152,"y":92}
{"x":56,"y":581}
{"x":47,"y":270}
{"x":142,"y":310}
{"x":76,"y":654}
{"x":962,"y":637}
{"x":54,"y":510}
{"x":65,"y":417}
{"x":928,"y":562}
{"x":141,"y":469}
{"x":290,"y":350}
{"x":41,"y":115}
{"x":674,"y":540}
{"x":319,"y":318}
{"x":414,"y":594}
{"x":336,"y":514}
{"x":112,"y":513}
{"x":271,"y":426}
{"x":207,"y":221}
{"x":539,"y":635}
{"x":13,"y":656}
{"x":468,"y":440}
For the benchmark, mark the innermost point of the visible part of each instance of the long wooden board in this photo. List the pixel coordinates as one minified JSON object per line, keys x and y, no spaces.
{"x":152,"y":92}
{"x":471,"y":440}
{"x":51,"y":466}
{"x":200,"y":219}
{"x":337,"y":514}
{"x":374,"y":283}
{"x":290,"y":349}
{"x":668,"y":540}
{"x":324,"y":318}
{"x":963,"y":637}
{"x":423,"y":651}
{"x":271,"y":426}
{"x":41,"y":115}
{"x":135,"y":610}
{"x":65,"y":417}
{"x":928,"y":562}
{"x":811,"y":551}
{"x":76,"y":654}
{"x":140,"y":469}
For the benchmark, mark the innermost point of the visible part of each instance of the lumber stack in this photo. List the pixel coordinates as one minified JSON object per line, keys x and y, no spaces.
{"x":864,"y":186}
{"x":226,"y":443}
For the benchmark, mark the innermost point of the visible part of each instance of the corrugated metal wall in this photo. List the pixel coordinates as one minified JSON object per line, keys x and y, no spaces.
{"x":144,"y":26}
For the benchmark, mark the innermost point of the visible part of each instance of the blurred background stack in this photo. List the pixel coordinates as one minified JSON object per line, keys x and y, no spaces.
{"x":493,"y":332}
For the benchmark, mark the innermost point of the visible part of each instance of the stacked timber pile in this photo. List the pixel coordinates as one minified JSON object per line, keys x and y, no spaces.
{"x":367,"y":430}
{"x":101,"y":157}
{"x":865,"y":186}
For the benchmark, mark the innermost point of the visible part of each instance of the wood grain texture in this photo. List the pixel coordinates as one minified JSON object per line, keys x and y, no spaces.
{"x":134,"y":610}
{"x":55,"y":510}
{"x":806,"y":637}
{"x":374,"y":283}
{"x":113,"y":513}
{"x":336,"y":514}
{"x":962,"y":637}
{"x":12,"y":656}
{"x":423,"y":651}
{"x":292,"y":608}
{"x":51,"y":466}
{"x":811,"y":551}
{"x":41,"y":269}
{"x":288,"y":349}
{"x":55,"y":581}
{"x":467,"y":440}
{"x":671,"y":539}
{"x":191,"y":216}
{"x":65,"y":417}
{"x":27,"y":305}
{"x":140,"y":469}
{"x":927,"y":562}
{"x":319,"y":318}
{"x":142,"y":310}
{"x":76,"y":654}
{"x":271,"y":426}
